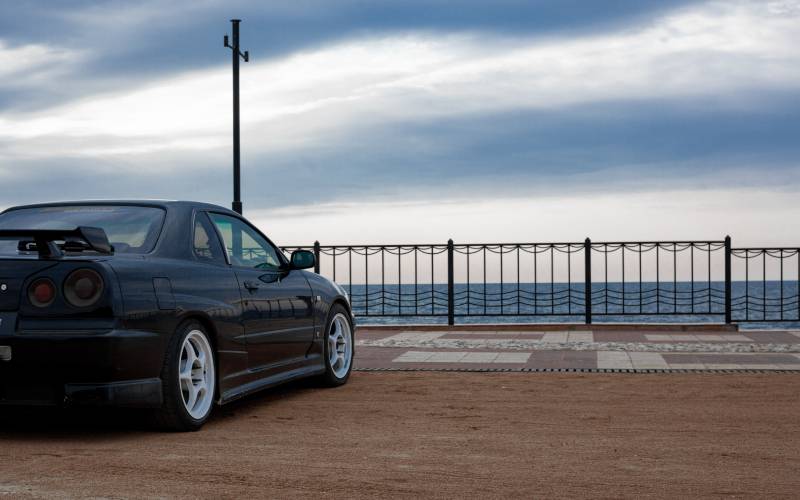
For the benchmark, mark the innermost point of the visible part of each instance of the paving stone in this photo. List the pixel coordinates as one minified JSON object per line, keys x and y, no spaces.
{"x":446,"y":357}
{"x":777,"y":358}
{"x":683,"y":337}
{"x":555,"y":337}
{"x":580,"y":337}
{"x":582,"y":349}
{"x":680,"y":358}
{"x":592,"y":355}
{"x":772,"y":337}
{"x":416,"y":336}
{"x":518,"y":332}
{"x":413,"y":357}
{"x":736,"y":338}
{"x":512,"y":357}
{"x":549,"y":355}
{"x":616,"y":336}
{"x":613,"y":359}
{"x":480,"y":333}
{"x":647,"y":360}
{"x":479,"y":357}
{"x":710,"y":338}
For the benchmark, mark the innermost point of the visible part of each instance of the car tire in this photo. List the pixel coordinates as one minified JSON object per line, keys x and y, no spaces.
{"x":339,"y":347}
{"x":188,"y":389}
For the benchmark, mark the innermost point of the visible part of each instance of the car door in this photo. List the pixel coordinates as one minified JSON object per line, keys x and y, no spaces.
{"x":277,"y":311}
{"x":210,"y":281}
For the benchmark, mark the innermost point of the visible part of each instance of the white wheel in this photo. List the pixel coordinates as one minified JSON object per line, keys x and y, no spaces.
{"x":196,"y":376}
{"x":340,"y":346}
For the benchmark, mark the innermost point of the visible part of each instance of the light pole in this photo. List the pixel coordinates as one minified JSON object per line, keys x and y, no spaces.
{"x":236,"y":53}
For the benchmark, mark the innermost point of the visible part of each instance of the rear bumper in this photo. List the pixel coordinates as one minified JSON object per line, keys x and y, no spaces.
{"x":111,"y":368}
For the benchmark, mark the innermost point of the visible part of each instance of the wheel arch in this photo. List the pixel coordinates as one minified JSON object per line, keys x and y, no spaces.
{"x":205,"y":321}
{"x":342,"y":302}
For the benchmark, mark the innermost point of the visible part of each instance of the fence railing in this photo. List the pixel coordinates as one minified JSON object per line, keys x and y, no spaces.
{"x":775,"y":299}
{"x":579,"y":281}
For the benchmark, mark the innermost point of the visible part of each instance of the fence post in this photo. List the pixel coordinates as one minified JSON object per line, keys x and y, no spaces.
{"x":587,"y":256}
{"x":451,"y":309}
{"x":728,"y":318}
{"x":316,"y":257}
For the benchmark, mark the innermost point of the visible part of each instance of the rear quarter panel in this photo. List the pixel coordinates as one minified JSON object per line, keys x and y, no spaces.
{"x":160,"y":293}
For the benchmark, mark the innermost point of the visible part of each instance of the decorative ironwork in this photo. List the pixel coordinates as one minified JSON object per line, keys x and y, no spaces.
{"x":769,"y":289}
{"x":685,"y":280}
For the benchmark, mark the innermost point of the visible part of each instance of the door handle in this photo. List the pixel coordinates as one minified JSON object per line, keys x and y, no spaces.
{"x":251,"y":286}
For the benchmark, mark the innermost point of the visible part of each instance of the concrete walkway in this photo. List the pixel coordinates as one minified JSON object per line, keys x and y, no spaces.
{"x":627,"y":347}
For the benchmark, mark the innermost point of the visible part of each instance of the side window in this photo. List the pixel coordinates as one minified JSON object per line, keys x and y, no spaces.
{"x":245,"y":247}
{"x":205,"y":244}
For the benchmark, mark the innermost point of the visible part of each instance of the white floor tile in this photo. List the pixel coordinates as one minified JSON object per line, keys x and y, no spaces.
{"x":512,"y":357}
{"x":446,"y":357}
{"x":647,"y":360}
{"x":710,"y":337}
{"x":683,"y":337}
{"x":580,"y":337}
{"x":555,"y":337}
{"x":479,"y":357}
{"x":413,"y":357}
{"x":613,"y":359}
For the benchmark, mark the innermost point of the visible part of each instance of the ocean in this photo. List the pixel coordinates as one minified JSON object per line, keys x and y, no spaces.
{"x":649,"y":302}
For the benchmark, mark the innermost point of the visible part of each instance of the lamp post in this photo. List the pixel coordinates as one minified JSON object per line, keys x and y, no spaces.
{"x":236,"y":53}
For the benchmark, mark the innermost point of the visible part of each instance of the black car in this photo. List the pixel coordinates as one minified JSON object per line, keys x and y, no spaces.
{"x":167,"y":305}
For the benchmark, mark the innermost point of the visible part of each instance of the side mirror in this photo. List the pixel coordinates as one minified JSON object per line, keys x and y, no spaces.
{"x":303,"y":259}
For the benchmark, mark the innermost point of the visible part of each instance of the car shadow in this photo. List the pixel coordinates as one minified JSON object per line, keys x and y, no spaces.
{"x":266,"y":397}
{"x":99,"y":423}
{"x":86,"y":424}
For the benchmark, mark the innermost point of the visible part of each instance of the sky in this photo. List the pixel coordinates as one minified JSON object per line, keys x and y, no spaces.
{"x":417,"y":121}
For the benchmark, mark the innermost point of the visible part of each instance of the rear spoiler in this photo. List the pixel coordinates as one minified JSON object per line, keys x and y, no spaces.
{"x":43,"y":240}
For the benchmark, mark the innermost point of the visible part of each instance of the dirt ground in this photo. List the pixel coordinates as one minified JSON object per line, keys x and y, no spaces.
{"x":424,"y":434}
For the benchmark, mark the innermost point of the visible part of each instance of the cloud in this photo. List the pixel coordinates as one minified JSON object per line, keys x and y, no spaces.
{"x":681,"y":215}
{"x":721,"y":50}
{"x":27,"y":61}
{"x":695,"y":97}
{"x":33,"y":67}
{"x":125,"y":35}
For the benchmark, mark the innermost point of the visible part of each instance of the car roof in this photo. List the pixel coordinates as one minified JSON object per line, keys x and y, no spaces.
{"x":166,"y":204}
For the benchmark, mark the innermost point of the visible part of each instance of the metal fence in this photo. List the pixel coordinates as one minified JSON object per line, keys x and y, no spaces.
{"x":577,"y":281}
{"x":769,"y":290}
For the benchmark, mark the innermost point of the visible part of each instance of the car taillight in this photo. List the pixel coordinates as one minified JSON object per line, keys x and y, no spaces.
{"x":42,"y":292}
{"x":83,"y":287}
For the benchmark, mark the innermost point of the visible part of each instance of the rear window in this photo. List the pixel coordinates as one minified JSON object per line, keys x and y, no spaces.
{"x":131,"y":229}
